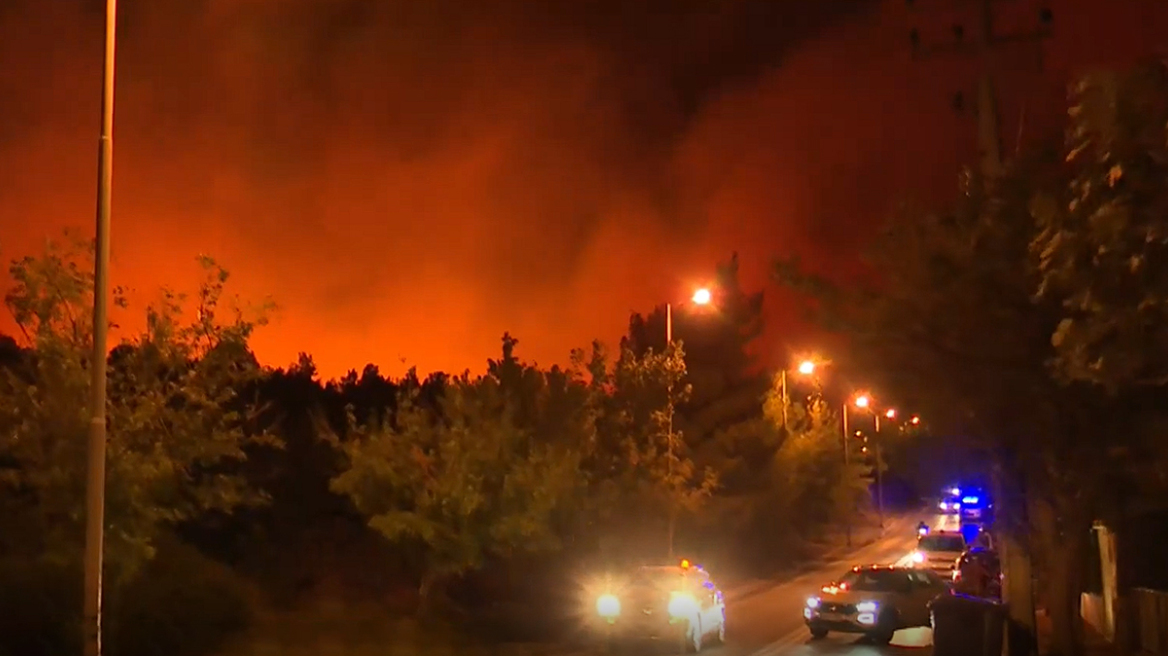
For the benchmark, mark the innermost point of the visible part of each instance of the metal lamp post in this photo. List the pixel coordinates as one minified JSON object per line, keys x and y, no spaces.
{"x":95,"y":479}
{"x":700,"y":297}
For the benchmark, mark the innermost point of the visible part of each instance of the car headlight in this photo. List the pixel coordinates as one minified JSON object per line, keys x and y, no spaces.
{"x":813,"y":602}
{"x":866,"y":607}
{"x":608,"y":606}
{"x":682,"y":604}
{"x":918,"y":557}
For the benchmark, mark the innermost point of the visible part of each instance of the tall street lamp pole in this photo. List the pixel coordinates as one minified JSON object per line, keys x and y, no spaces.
{"x":700,"y":297}
{"x":847,"y":466}
{"x":891,"y":414}
{"x":95,"y":480}
{"x":806,"y":368}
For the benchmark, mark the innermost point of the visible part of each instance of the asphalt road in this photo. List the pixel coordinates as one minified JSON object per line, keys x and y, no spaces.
{"x":768,"y":620}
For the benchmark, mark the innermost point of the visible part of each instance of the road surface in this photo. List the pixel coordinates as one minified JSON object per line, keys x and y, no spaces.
{"x":768,"y":620}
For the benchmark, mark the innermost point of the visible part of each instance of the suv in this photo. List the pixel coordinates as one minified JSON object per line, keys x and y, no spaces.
{"x":876,"y":600}
{"x":664,"y":603}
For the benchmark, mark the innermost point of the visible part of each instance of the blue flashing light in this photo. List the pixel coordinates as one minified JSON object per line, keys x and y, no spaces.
{"x":970,"y":500}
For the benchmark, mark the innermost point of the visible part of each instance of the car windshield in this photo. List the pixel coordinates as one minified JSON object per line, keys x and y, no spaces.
{"x":874,"y":580}
{"x":657,"y":576}
{"x":942,"y":543}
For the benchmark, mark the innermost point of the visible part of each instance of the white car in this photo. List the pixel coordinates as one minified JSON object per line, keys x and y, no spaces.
{"x":939,"y":551}
{"x":876,"y":600}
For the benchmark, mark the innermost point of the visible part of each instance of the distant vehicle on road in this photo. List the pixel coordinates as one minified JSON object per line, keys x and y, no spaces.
{"x":949,"y":505}
{"x":678,"y":604}
{"x":938,"y":552}
{"x":974,"y":506}
{"x":876,"y":601}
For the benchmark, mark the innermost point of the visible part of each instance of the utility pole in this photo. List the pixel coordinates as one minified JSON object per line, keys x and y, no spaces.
{"x":95,"y":478}
{"x":986,"y":47}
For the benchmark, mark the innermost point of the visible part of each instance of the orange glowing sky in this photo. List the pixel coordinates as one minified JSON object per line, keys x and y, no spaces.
{"x":409,"y":180}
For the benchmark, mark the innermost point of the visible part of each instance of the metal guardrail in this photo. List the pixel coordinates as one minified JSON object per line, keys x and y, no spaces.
{"x":1151,"y":611}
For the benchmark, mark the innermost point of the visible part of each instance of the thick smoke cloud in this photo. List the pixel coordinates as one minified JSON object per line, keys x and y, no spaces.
{"x":410,"y":179}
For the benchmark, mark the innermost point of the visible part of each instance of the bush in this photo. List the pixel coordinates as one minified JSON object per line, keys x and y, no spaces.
{"x":340,"y":629}
{"x":40,"y":609}
{"x":180,"y":604}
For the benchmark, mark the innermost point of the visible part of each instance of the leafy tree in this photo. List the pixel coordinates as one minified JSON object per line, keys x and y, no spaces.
{"x":952,"y":326}
{"x":808,"y":488}
{"x":649,"y":468}
{"x":720,"y":416}
{"x":813,"y":485}
{"x":462,"y":479}
{"x":1103,"y":246}
{"x":177,"y":421}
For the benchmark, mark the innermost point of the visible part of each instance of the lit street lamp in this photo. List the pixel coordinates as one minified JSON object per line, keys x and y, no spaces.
{"x":805,"y":368}
{"x":701,"y":296}
{"x":860,"y":401}
{"x":891,"y":414}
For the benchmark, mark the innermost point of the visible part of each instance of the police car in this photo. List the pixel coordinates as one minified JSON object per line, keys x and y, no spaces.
{"x":667,"y":603}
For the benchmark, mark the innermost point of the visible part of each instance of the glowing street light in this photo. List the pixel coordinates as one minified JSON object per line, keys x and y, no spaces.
{"x":805,"y":368}
{"x":890,"y":413}
{"x":915,"y":420}
{"x":701,"y":296}
{"x":863,"y":401}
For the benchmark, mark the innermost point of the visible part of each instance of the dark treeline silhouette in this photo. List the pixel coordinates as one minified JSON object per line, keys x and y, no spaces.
{"x":1027,"y":320}
{"x":238,"y":494}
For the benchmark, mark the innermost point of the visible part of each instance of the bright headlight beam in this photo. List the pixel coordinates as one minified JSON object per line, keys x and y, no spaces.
{"x":682,"y":604}
{"x":608,"y":605}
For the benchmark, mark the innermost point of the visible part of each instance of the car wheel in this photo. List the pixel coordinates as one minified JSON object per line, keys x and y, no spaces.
{"x":818,"y":632}
{"x":882,"y":635}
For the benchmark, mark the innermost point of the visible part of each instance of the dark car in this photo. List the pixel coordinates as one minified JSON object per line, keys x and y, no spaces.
{"x":672,"y":604}
{"x":979,"y":573}
{"x":875,"y":600}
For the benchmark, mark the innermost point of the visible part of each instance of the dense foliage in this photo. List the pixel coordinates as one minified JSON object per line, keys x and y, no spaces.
{"x":1013,"y":317}
{"x":1025,"y":321}
{"x":268,"y":488}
